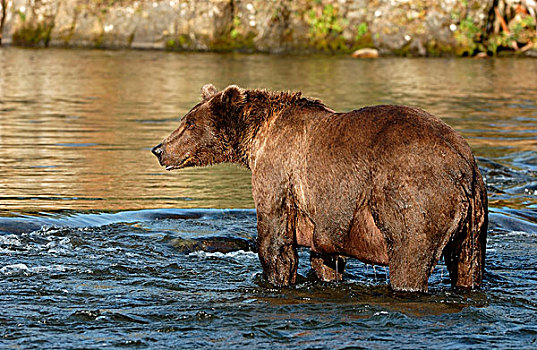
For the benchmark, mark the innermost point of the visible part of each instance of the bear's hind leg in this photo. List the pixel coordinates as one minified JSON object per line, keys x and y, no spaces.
{"x":409,"y":276}
{"x":465,"y":258}
{"x":412,"y":257}
{"x":416,"y":233}
{"x":328,"y":268}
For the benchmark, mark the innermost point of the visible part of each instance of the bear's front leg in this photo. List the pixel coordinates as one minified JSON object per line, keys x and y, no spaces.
{"x":276,"y":248}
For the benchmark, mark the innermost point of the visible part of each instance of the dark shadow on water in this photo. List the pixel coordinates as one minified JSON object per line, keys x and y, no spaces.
{"x":380,"y":297}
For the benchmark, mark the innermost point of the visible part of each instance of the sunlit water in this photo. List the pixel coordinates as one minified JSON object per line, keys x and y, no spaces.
{"x":101,"y":248}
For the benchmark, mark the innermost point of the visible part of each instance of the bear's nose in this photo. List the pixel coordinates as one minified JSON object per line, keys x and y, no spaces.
{"x":157,"y":150}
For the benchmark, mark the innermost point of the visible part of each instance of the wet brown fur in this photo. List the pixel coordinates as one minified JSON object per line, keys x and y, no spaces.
{"x":389,"y":185}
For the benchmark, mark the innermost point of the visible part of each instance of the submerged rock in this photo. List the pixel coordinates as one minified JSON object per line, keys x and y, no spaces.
{"x":212,"y":244}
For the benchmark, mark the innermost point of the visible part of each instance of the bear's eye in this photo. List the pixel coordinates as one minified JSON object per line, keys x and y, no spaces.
{"x":189,"y":125}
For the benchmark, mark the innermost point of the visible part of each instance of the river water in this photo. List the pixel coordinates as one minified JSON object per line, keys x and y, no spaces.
{"x":101,"y":248}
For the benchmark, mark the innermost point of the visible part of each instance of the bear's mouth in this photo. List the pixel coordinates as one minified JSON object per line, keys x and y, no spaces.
{"x":181,"y":164}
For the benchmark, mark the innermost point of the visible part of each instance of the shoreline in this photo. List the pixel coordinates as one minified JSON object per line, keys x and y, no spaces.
{"x":422,"y":28}
{"x":320,"y":54}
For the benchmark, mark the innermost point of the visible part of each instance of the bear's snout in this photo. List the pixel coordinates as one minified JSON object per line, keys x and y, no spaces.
{"x":157,"y":150}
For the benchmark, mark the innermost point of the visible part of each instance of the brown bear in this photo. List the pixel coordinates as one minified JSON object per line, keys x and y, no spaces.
{"x":388,"y":185}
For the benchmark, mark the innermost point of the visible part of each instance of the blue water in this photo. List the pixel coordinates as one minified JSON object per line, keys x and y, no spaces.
{"x":101,"y":248}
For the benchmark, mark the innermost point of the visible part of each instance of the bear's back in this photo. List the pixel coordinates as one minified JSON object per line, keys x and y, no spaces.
{"x":384,"y":131}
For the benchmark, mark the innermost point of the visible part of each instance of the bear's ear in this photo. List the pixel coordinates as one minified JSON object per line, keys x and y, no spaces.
{"x":207,"y":91}
{"x":233,"y":96}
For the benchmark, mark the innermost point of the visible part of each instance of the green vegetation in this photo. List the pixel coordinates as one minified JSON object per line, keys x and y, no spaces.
{"x":514,"y":30}
{"x":239,"y":38}
{"x":521,"y":32}
{"x":363,"y":37}
{"x":178,"y":43}
{"x":234,"y":33}
{"x":436,"y":49}
{"x":326,"y":29}
{"x":469,"y":38}
{"x":361,"y":30}
{"x":31,"y":34}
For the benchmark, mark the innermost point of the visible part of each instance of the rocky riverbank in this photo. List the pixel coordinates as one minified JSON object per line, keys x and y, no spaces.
{"x":394,"y":27}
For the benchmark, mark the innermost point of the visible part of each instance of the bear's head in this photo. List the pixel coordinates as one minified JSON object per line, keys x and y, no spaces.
{"x":209,"y":133}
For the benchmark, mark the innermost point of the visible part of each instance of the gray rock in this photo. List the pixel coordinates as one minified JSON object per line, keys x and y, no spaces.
{"x":416,"y":27}
{"x":212,"y":244}
{"x":531,"y":53}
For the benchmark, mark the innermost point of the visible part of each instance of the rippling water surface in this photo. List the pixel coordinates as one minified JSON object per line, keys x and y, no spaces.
{"x":101,"y":248}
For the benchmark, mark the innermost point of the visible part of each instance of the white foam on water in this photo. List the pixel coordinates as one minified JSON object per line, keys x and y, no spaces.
{"x":18,"y":269}
{"x":112,"y":249}
{"x":46,"y":230}
{"x":58,"y":246}
{"x":51,"y":268}
{"x":234,"y":254}
{"x":381,"y":313}
{"x":65,"y":241}
{"x":12,"y":240}
{"x":14,"y":269}
{"x":517,"y":233}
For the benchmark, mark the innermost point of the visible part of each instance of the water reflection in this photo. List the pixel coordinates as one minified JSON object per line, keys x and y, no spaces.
{"x":76,"y":126}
